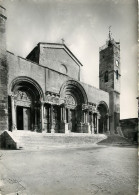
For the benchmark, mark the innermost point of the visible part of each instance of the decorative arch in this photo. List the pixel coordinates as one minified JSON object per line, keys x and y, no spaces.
{"x":30,"y":83}
{"x":74,"y":95}
{"x":63,"y":69}
{"x":25,"y":106}
{"x":75,"y":89}
{"x":104,"y":104}
{"x":103,"y":125}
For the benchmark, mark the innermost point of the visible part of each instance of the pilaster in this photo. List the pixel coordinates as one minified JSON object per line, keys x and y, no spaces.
{"x":13,"y":109}
{"x":51,"y":119}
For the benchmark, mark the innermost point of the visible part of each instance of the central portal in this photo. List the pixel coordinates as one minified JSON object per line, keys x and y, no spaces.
{"x":74,"y":97}
{"x":23,"y":118}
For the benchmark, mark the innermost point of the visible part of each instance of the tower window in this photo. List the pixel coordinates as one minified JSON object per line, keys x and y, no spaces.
{"x":117,"y":74}
{"x":106,"y":77}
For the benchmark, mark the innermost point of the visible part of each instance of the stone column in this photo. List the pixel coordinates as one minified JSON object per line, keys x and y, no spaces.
{"x":35,"y":125}
{"x":42,"y":116}
{"x":97,"y":121}
{"x":81,"y":122}
{"x":92,"y":124}
{"x":84,"y":117}
{"x":64,"y":124}
{"x":64,"y":112}
{"x":61,"y":113}
{"x":45,"y":118}
{"x":84,"y":121}
{"x":98,"y":117}
{"x":51,"y":120}
{"x":13,"y":107}
{"x":108,"y":124}
{"x":88,"y":124}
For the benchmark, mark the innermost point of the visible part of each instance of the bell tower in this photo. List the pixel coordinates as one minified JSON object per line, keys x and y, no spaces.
{"x":3,"y":72}
{"x":109,"y":78}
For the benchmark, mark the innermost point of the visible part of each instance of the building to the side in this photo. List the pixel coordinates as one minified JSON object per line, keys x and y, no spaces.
{"x":130,"y":128}
{"x":43,"y":92}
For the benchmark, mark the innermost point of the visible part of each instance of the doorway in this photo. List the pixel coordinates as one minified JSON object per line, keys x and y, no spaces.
{"x":103,"y":121}
{"x":100,"y":125}
{"x":23,"y":118}
{"x":73,"y":121}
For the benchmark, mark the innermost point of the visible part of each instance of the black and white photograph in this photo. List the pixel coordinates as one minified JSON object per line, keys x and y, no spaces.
{"x":69,"y":97}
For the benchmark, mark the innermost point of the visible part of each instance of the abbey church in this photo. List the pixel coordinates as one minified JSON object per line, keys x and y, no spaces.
{"x":43,"y":92}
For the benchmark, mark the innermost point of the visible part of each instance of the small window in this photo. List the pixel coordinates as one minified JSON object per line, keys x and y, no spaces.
{"x":106,"y":77}
{"x":117,"y":74}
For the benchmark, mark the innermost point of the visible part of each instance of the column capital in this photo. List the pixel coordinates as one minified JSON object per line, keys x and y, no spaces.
{"x":13,"y":95}
{"x":42,"y":102}
{"x":63,"y":105}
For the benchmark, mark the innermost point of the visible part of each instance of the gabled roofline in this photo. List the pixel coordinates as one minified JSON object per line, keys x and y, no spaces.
{"x":62,"y":46}
{"x":31,"y":51}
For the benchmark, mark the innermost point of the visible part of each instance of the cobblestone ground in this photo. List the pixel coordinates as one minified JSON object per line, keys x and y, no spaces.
{"x":93,"y":170}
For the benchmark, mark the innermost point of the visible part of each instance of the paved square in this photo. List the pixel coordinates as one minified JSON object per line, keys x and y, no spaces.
{"x":88,"y":170}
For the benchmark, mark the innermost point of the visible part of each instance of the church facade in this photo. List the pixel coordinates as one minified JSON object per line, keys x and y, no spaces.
{"x":43,"y":92}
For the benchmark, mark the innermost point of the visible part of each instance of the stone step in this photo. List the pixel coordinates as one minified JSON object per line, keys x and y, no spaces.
{"x":26,"y":133}
{"x":28,"y":139}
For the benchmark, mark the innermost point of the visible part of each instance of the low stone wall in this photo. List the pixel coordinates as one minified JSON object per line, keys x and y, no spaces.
{"x":6,"y":141}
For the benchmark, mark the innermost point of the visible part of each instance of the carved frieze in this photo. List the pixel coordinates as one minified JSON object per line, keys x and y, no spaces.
{"x":23,"y":95}
{"x":69,"y":100}
{"x":22,"y":98}
{"x":91,"y":108}
{"x":22,"y":103}
{"x":52,"y":99}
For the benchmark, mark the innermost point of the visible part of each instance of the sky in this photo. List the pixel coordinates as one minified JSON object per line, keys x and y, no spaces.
{"x":84,"y":25}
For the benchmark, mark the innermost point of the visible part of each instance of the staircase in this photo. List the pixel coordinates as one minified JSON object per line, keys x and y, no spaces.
{"x":115,"y":140}
{"x":33,"y":140}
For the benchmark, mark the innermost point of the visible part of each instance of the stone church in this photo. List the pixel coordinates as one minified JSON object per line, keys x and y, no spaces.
{"x":43,"y":92}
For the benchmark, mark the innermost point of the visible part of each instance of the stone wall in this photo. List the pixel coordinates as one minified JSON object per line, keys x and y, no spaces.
{"x":3,"y":73}
{"x":49,"y":80}
{"x":106,"y":64}
{"x":108,"y":58}
{"x":57,"y":57}
{"x":6,"y":141}
{"x":59,"y":60}
{"x":20,"y":67}
{"x":95,"y":95}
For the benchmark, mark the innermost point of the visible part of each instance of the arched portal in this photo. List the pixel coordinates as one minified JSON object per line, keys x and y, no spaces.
{"x":25,"y":104}
{"x":74,"y":95}
{"x":103,"y":122}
